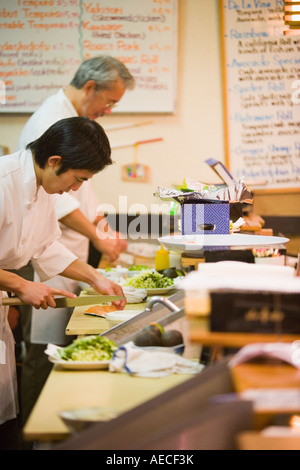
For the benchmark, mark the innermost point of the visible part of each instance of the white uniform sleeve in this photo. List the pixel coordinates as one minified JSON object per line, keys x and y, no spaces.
{"x":65,"y":204}
{"x":52,"y":261}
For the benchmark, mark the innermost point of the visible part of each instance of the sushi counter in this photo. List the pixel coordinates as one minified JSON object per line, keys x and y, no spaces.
{"x":254,"y":398}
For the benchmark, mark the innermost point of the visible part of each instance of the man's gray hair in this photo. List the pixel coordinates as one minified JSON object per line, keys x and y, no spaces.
{"x":104,"y":70}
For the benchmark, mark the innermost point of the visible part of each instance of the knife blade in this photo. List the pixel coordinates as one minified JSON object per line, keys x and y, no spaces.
{"x":68,"y":302}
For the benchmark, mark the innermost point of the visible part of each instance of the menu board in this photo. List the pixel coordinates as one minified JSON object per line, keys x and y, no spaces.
{"x":261,"y":94}
{"x":42,"y":43}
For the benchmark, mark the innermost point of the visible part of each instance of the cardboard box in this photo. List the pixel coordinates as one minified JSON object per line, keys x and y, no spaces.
{"x":205,"y":218}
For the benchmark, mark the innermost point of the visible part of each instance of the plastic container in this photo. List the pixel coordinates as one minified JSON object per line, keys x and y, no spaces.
{"x":162,"y":259}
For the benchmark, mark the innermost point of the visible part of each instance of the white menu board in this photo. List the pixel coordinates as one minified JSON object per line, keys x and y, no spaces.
{"x":42,"y":43}
{"x":261,"y":93}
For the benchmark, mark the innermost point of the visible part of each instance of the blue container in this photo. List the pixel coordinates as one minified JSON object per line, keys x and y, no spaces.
{"x":205,"y":218}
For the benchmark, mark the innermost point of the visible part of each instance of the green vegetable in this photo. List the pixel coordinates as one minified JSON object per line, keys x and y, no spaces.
{"x":89,"y":348}
{"x":169,"y":272}
{"x":137,"y":267}
{"x":149,"y":279}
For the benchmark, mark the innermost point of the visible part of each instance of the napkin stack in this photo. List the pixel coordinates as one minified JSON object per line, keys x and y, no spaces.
{"x":139,"y":362}
{"x":240,"y":276}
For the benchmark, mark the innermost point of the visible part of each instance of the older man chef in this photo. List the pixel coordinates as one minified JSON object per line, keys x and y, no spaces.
{"x":71,"y":151}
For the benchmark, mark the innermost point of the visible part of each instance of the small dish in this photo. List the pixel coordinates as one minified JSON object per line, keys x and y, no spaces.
{"x":178,"y":349}
{"x":122,"y":315}
{"x":78,"y":419}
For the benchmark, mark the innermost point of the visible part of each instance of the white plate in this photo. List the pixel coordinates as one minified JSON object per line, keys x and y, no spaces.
{"x":195,"y":243}
{"x":122,"y":315}
{"x":80,"y":365}
{"x":161,"y":290}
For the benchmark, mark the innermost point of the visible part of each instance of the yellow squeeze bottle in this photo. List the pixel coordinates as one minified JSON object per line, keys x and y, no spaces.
{"x":161,"y":259}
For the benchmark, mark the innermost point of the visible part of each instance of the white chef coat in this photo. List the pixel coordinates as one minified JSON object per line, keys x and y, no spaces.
{"x":51,"y":328}
{"x":54,"y":108}
{"x":28,"y":230}
{"x":8,"y":380}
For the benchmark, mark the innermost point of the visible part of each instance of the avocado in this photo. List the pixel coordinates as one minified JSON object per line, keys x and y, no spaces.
{"x":169,"y":272}
{"x":147,"y":338}
{"x":171,"y":338}
{"x":156,"y":328}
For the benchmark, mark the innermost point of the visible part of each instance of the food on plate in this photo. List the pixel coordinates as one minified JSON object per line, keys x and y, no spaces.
{"x":101,"y":309}
{"x":236,"y":226}
{"x":138,"y":267}
{"x":88,"y":348}
{"x":117,"y":269}
{"x":149,"y":279}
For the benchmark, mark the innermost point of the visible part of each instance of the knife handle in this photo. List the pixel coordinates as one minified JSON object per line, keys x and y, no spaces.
{"x":12,"y":301}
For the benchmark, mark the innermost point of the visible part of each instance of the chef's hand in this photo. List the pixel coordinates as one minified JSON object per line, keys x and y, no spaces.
{"x":105,"y":286}
{"x":40,"y":295}
{"x":84,"y":272}
{"x":108,"y":241}
{"x":111,"y":247}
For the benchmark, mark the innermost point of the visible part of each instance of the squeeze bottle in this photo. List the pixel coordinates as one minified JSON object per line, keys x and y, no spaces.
{"x":161,"y":259}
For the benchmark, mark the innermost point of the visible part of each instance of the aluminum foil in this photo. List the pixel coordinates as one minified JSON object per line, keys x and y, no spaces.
{"x":238,"y":192}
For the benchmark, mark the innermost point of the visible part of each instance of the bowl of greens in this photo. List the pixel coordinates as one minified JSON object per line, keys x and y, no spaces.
{"x":136,"y":269}
{"x":89,"y":352}
{"x":152,"y":281}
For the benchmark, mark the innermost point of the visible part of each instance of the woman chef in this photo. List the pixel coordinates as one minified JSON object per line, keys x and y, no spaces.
{"x":69,"y":152}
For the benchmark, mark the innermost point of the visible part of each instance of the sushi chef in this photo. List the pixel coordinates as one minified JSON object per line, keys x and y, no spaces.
{"x":70,"y":152}
{"x":97,"y":86}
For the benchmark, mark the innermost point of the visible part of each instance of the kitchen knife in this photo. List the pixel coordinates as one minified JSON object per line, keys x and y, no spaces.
{"x":68,"y":302}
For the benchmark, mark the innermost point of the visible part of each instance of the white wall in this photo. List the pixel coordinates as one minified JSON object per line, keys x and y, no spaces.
{"x":192,"y":134}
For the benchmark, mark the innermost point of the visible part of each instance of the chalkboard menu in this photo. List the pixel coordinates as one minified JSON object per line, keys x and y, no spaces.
{"x":42,"y":43}
{"x":261,"y":93}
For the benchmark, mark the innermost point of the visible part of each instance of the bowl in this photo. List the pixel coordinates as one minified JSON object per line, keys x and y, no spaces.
{"x":78,"y":419}
{"x":178,"y":349}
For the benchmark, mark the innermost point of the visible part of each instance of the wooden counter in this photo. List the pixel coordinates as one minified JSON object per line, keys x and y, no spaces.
{"x":80,"y":389}
{"x":81,"y":324}
{"x":255,"y":376}
{"x":66,"y":389}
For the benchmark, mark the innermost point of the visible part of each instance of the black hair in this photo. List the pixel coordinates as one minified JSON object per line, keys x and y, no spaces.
{"x":80,"y":142}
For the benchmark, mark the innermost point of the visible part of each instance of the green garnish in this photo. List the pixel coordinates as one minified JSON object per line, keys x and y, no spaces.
{"x":137,"y":267}
{"x":149,"y":279}
{"x":89,"y":348}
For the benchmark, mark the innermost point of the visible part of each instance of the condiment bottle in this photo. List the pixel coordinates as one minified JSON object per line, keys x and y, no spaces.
{"x":175,"y":260}
{"x":161,"y":259}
